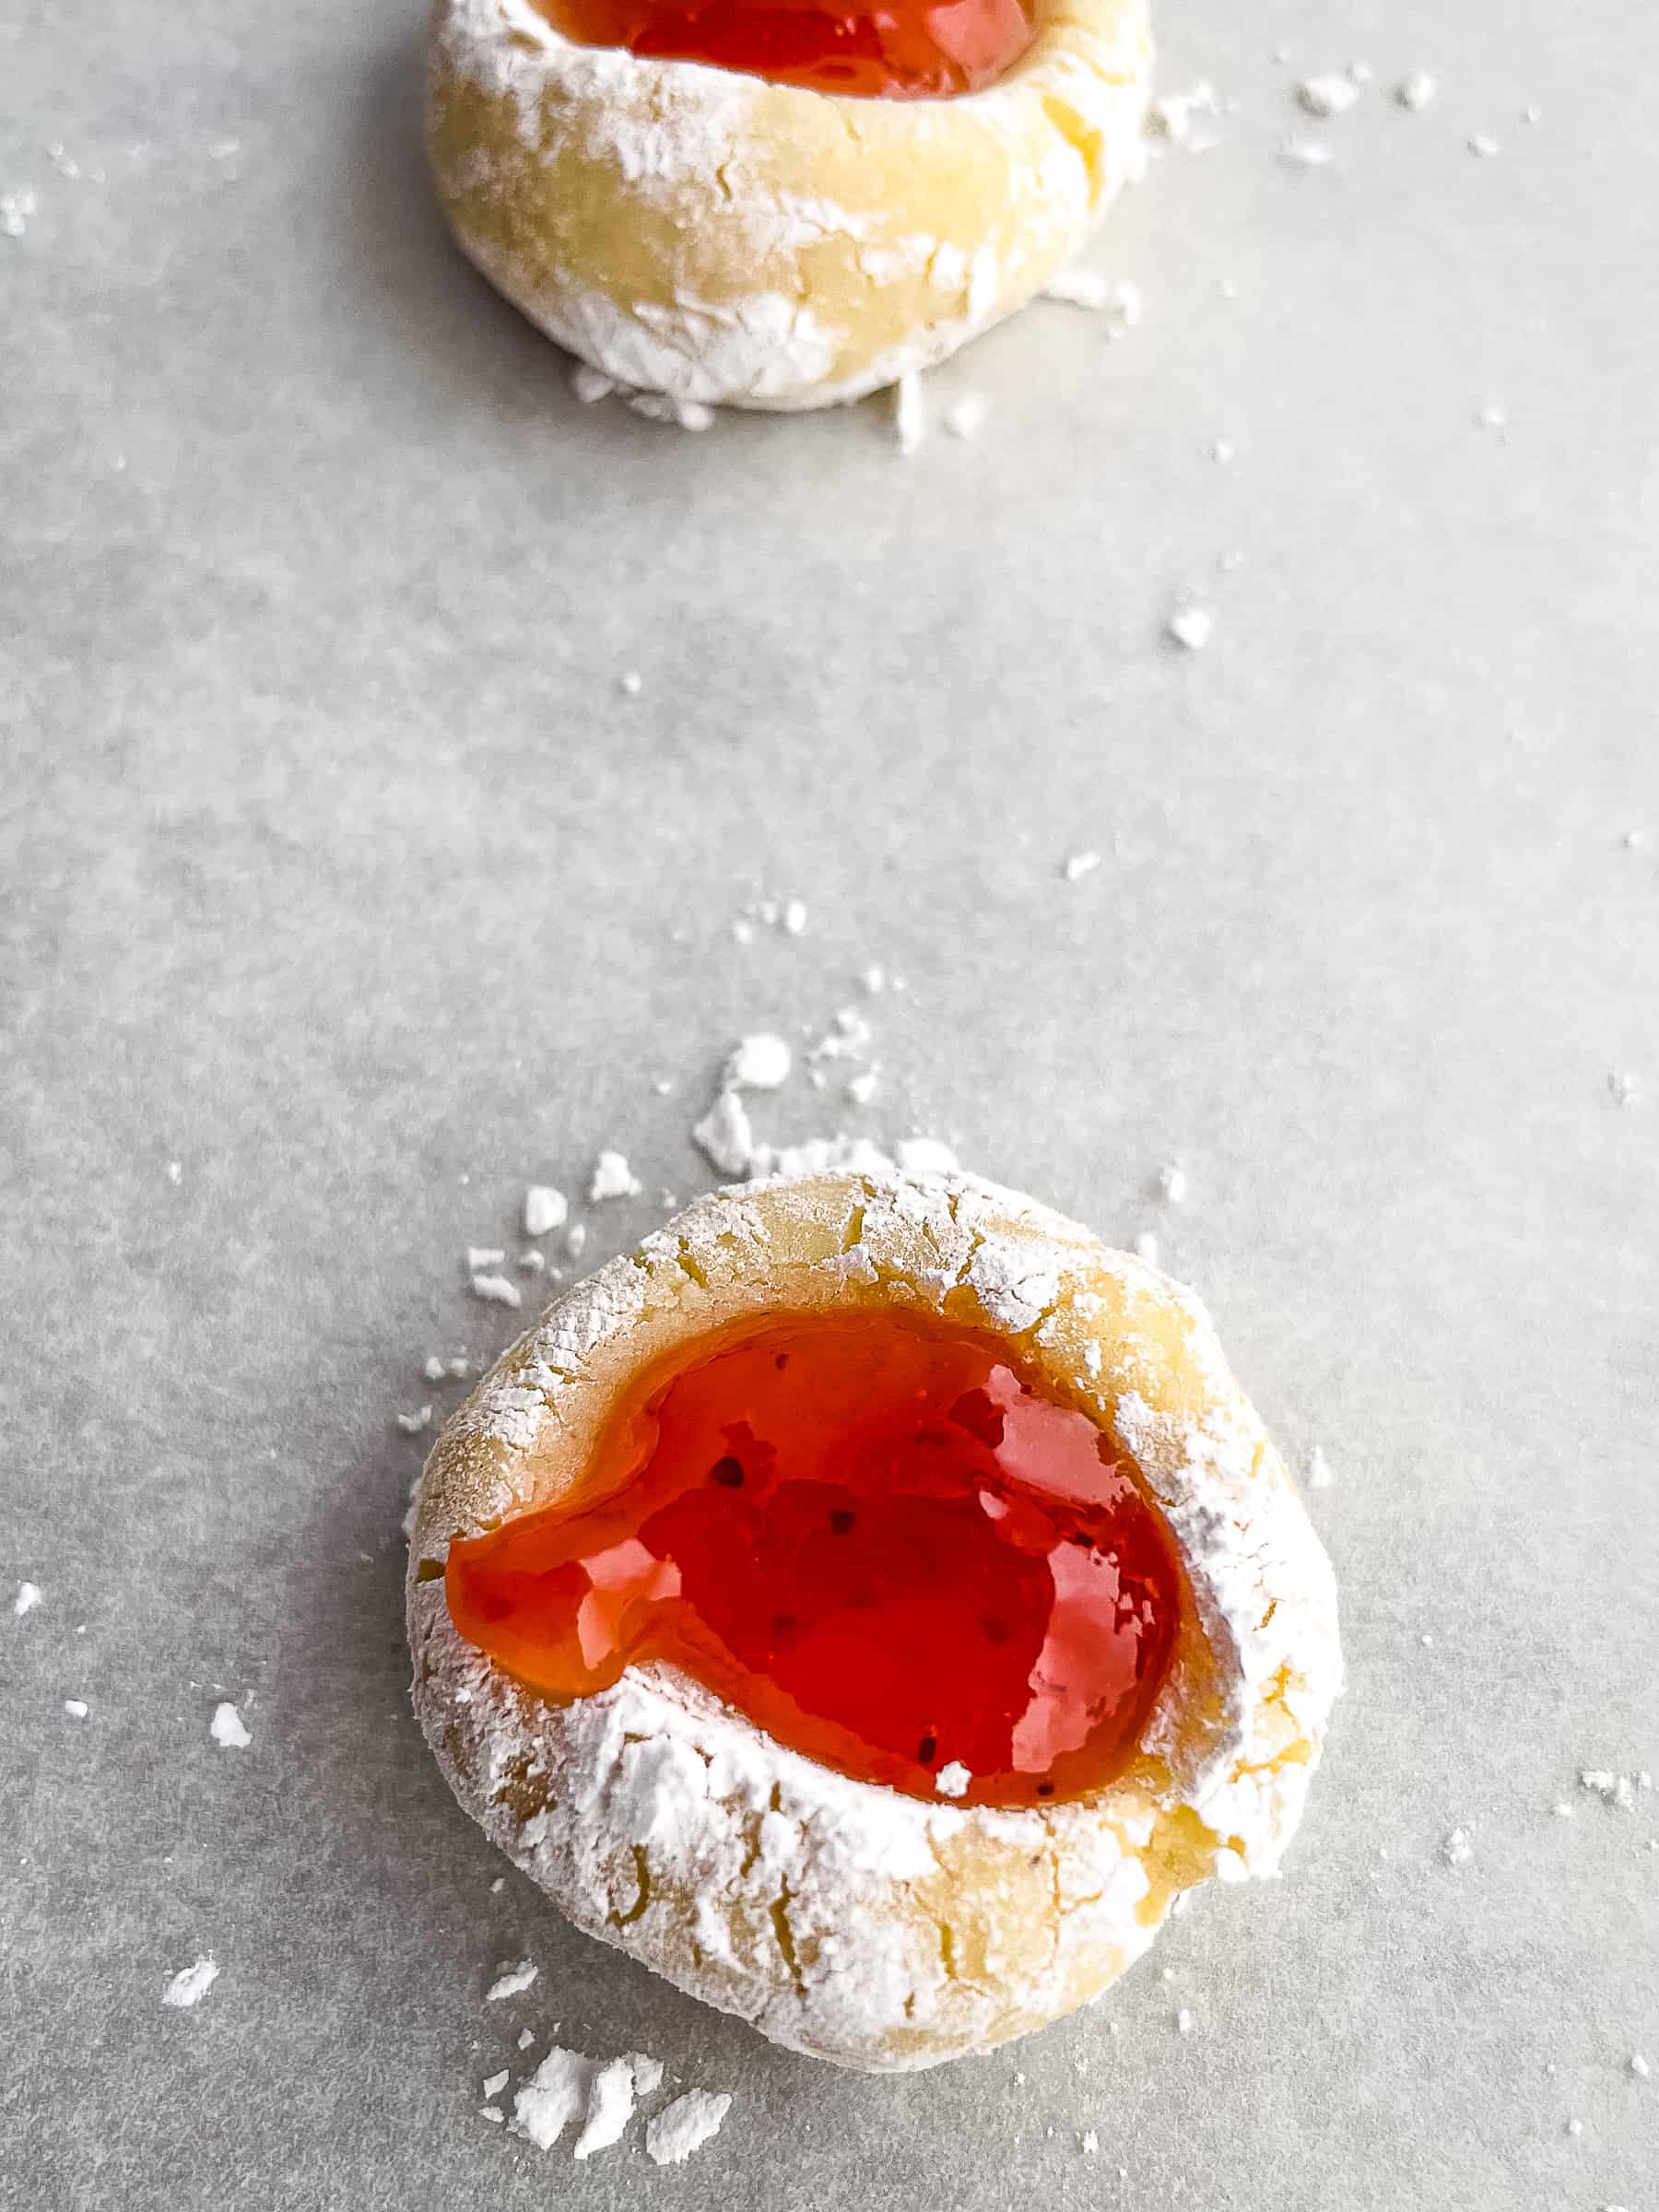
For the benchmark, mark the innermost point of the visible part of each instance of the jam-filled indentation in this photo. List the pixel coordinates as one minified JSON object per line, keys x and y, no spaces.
{"x":871,"y":1534}
{"x":900,"y":50}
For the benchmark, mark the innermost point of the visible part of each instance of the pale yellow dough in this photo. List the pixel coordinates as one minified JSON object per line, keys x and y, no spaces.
{"x":701,"y":234}
{"x":844,"y":1919}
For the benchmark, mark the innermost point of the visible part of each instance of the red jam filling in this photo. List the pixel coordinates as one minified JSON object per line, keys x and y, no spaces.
{"x":902,"y":50}
{"x":869,"y":1534}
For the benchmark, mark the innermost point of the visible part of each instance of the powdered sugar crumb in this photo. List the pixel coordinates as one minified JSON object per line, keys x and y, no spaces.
{"x":610,"y":2102}
{"x":1320,"y":1476}
{"x":1332,"y":94}
{"x":545,"y":1209}
{"x":1173,"y":120}
{"x":965,"y":417}
{"x":227,"y":1728}
{"x":1417,"y":92}
{"x":759,"y":1063}
{"x":76,"y":1708}
{"x":495,"y":2083}
{"x":1612,"y":1789}
{"x":1079,"y":865}
{"x":1458,"y":1850}
{"x":910,"y":413}
{"x":952,"y":1780}
{"x":690,"y":2122}
{"x":1192,"y":627}
{"x":497,"y":1290}
{"x":1304,"y":153}
{"x":30,"y":1595}
{"x":612,"y":1178}
{"x":511,"y":1981}
{"x":190,"y":1984}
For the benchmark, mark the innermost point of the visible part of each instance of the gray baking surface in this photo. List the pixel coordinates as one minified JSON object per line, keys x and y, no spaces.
{"x":340,"y":870}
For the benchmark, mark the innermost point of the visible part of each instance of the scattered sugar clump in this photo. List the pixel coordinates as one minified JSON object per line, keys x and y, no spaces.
{"x":1145,"y":1248}
{"x":30,"y":1595}
{"x":1089,"y":2144}
{"x":1192,"y":627}
{"x":965,"y":417}
{"x":190,"y":1984}
{"x":952,"y":1780}
{"x":1174,"y":121}
{"x":1639,"y":2065}
{"x":545,"y":1209}
{"x":1184,"y":2023}
{"x":227,"y":1729}
{"x":1304,"y":153}
{"x":413,"y":1423}
{"x":1624,"y":1089}
{"x":1172,"y":1184}
{"x":1329,"y":95}
{"x":610,"y":2103}
{"x":910,"y":413}
{"x":724,"y":1137}
{"x":612,"y":1178}
{"x":495,"y":2083}
{"x":76,"y":1708}
{"x":795,"y":917}
{"x":568,"y":2087}
{"x":553,"y":2097}
{"x":1320,"y":1476}
{"x":1483,"y":145}
{"x":1417,"y":92}
{"x":1612,"y":1789}
{"x":511,"y":1981}
{"x":663,"y":407}
{"x":1458,"y":1850}
{"x":759,"y":1063}
{"x":16,"y":207}
{"x":688,"y":2123}
{"x":497,"y":1290}
{"x":1080,"y":865}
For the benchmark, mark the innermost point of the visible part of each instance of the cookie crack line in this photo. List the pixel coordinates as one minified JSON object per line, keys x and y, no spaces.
{"x":800,"y":1898}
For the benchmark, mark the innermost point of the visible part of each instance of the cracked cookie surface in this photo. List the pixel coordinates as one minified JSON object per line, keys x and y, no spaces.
{"x":845,"y":1919}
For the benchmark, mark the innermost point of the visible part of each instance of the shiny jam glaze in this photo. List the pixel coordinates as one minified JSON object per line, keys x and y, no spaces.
{"x":869,"y":1534}
{"x":902,"y":51}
